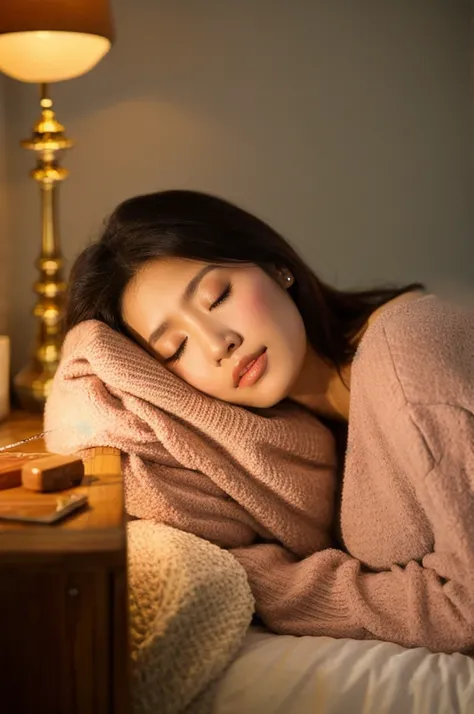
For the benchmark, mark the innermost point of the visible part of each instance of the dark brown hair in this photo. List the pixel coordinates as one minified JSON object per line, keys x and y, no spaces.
{"x":192,"y":225}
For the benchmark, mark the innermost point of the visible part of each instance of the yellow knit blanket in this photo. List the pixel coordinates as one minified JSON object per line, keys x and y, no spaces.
{"x":190,"y":607}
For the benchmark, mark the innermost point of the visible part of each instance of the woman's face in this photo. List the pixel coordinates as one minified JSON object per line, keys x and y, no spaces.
{"x":232,"y":332}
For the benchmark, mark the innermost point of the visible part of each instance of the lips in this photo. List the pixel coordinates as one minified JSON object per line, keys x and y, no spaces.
{"x":245,"y":364}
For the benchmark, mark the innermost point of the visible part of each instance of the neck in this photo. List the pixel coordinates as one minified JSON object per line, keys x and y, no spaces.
{"x":322,"y":389}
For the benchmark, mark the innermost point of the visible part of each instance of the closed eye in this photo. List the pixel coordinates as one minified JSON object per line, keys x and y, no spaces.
{"x":177,"y":354}
{"x":227,"y":292}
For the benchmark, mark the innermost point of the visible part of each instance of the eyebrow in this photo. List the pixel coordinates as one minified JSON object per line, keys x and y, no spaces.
{"x":187,"y":295}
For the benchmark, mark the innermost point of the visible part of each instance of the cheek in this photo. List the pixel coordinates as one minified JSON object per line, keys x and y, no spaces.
{"x":258,"y":305}
{"x":194,"y":367}
{"x":196,"y":371}
{"x":265,"y":311}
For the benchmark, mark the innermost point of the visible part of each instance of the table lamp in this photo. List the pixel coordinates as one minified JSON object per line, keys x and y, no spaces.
{"x":43,"y":41}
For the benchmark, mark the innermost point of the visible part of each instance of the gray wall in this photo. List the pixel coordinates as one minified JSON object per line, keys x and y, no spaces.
{"x":345,"y":124}
{"x":472,"y":101}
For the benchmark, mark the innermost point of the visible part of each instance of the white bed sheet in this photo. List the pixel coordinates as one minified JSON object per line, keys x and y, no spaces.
{"x":281,"y":674}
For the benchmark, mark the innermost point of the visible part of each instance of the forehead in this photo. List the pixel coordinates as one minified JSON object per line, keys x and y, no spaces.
{"x":158,"y":276}
{"x":164,"y":274}
{"x":155,"y":289}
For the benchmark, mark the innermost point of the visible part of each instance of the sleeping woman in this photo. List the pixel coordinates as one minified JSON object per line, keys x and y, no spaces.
{"x":272,"y":369}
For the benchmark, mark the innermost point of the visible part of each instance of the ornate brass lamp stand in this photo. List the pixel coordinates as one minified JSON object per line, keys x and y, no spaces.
{"x":48,"y":140}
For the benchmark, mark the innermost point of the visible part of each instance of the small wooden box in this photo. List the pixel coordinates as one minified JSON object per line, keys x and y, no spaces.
{"x":10,"y":467}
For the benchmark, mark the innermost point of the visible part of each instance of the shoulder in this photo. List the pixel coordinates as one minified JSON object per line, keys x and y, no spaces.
{"x":427,"y":346}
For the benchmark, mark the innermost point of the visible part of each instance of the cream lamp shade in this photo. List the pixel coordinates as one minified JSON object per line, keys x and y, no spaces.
{"x":46,"y":41}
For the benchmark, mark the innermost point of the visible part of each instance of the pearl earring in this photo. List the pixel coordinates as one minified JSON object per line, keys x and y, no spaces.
{"x":288,"y":277}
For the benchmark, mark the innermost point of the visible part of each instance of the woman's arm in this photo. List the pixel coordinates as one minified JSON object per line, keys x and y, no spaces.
{"x":428,"y":603}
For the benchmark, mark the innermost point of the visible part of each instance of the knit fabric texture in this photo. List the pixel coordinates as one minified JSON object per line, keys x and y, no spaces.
{"x":190,"y":607}
{"x":263,"y":483}
{"x":207,"y":467}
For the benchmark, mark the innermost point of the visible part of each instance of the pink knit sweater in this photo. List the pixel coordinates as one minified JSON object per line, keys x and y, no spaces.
{"x":239,"y":478}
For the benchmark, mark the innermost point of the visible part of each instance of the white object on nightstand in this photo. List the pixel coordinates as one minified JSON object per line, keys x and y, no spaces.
{"x":4,"y":376}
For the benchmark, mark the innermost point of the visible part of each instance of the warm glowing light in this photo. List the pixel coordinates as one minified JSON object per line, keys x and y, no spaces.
{"x":50,"y":56}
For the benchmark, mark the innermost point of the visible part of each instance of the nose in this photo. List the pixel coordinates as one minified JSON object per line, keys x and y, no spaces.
{"x":217,"y":340}
{"x":222,"y":345}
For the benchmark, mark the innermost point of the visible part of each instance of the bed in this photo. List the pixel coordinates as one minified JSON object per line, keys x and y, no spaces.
{"x":281,"y":674}
{"x":197,"y":649}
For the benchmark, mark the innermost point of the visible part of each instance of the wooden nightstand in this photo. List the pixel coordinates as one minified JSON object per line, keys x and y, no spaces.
{"x":63,"y":597}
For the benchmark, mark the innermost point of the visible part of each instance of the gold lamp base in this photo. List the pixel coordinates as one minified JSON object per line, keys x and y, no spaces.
{"x":33,"y":383}
{"x":32,"y":386}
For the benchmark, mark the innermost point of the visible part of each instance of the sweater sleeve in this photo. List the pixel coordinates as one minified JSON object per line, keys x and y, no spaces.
{"x":423,"y":604}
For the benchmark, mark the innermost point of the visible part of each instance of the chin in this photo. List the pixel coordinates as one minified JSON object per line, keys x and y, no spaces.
{"x":265,"y":403}
{"x":256,"y":400}
{"x":267,"y":396}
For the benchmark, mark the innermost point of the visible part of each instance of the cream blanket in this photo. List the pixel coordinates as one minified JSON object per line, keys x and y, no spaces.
{"x":190,"y":607}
